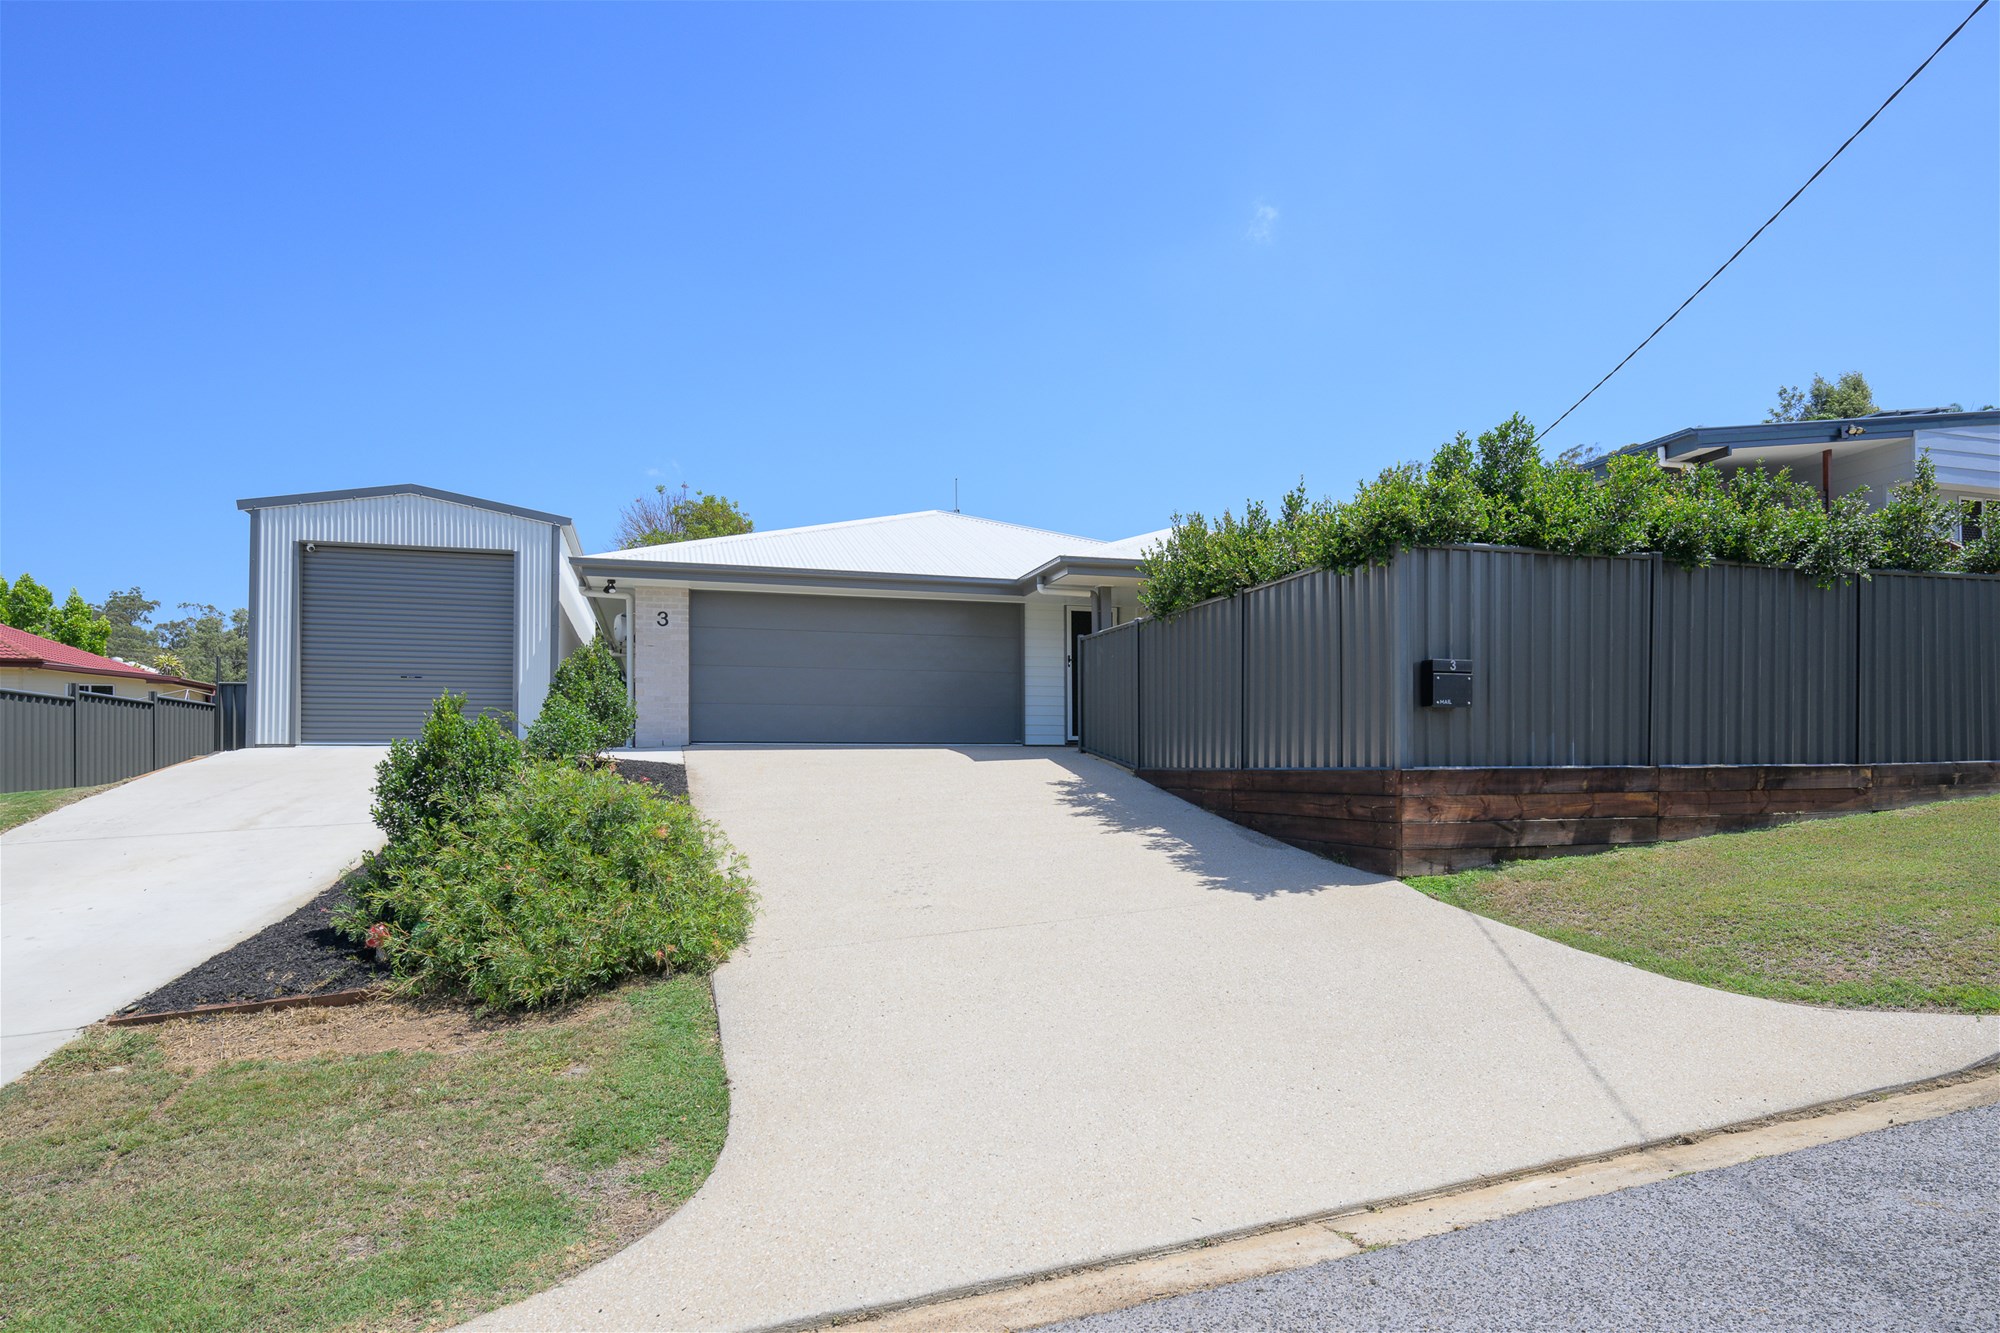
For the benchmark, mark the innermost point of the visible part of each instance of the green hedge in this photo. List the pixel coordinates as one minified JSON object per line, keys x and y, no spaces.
{"x":1498,"y":489}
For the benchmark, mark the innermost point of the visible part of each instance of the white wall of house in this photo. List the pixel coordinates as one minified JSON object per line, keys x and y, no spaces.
{"x":48,"y":680}
{"x":543,"y":587}
{"x":1045,"y":670}
{"x":659,"y":665}
{"x":1967,"y":459}
{"x":1880,"y":468}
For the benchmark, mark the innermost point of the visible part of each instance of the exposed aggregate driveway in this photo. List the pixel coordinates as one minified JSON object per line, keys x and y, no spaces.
{"x":1008,"y":1010}
{"x":1899,"y":1230}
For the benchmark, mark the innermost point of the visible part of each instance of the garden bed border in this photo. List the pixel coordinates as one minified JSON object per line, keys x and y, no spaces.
{"x":1432,"y":821}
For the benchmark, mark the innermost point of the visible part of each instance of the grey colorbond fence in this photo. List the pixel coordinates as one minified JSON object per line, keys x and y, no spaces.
{"x":232,"y":714}
{"x":1577,"y":660}
{"x":1111,"y":674}
{"x":49,"y":740}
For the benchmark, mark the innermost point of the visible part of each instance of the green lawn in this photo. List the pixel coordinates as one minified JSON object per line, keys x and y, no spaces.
{"x":1897,"y":910}
{"x":18,"y":807}
{"x":150,"y":1178}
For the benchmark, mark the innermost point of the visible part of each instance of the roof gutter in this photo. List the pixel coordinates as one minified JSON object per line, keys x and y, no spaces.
{"x":803,"y":579}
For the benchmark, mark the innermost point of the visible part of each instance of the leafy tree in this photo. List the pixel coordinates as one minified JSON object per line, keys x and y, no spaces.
{"x":130,"y":613}
{"x":77,"y":624}
{"x":29,"y":605}
{"x":666,"y":516}
{"x":191,"y":645}
{"x":1849,"y":396}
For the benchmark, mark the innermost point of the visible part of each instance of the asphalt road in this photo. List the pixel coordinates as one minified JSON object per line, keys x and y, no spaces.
{"x":1899,"y":1229}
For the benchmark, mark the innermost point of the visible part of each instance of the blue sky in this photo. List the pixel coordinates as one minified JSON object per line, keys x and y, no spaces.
{"x":1100,"y":263}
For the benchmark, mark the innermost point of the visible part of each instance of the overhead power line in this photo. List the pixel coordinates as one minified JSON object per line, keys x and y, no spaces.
{"x":1773,"y":218}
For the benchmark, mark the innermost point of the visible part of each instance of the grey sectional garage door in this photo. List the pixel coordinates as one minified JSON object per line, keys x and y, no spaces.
{"x":384,"y":632}
{"x":783,"y":668}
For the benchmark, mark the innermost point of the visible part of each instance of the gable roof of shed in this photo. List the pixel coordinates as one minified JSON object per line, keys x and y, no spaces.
{"x":408,"y":488}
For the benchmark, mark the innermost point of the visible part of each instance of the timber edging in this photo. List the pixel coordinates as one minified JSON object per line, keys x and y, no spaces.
{"x":1428,"y":821}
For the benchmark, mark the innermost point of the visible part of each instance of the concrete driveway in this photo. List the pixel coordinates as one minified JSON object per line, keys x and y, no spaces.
{"x":1009,"y":1010}
{"x":106,"y":900}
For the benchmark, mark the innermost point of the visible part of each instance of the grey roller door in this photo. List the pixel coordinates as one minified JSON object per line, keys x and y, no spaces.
{"x":782,"y":668}
{"x":382,"y":633}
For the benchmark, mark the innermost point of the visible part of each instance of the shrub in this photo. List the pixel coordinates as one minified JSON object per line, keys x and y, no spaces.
{"x":1982,"y":554}
{"x":563,"y":883}
{"x":451,"y":764}
{"x":1917,"y":523}
{"x":587,"y":709}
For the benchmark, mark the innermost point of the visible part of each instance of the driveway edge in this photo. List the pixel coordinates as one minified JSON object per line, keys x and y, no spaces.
{"x":1121,"y":1281}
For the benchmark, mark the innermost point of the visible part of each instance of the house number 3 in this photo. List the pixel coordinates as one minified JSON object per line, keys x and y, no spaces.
{"x":663,"y":617}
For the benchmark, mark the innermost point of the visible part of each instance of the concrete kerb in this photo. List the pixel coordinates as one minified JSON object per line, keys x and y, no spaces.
{"x":1121,"y":1281}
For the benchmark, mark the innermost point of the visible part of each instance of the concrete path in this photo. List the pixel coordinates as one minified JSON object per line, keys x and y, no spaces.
{"x":1009,"y":1010}
{"x":106,"y":900}
{"x":1891,"y":1231}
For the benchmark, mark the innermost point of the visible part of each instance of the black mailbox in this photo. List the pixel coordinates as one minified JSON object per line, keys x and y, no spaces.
{"x":1445,"y":682}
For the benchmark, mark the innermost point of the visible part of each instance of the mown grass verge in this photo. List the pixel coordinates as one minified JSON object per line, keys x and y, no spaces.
{"x":392,"y":1165}
{"x":1896,"y":910}
{"x":18,"y":807}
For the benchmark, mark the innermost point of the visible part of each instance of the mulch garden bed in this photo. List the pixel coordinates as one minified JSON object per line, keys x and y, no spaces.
{"x":668,"y":779}
{"x":300,"y":955}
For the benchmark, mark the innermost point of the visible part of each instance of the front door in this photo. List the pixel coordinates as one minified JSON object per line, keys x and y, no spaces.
{"x":1079,"y":625}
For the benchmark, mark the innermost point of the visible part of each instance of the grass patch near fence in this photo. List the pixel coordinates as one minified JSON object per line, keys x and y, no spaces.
{"x":1895,"y":910}
{"x":390,"y":1165}
{"x":18,"y":807}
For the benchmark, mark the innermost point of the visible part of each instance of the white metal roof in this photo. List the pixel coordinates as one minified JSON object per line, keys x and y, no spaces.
{"x":931,"y":542}
{"x":1132,"y":546}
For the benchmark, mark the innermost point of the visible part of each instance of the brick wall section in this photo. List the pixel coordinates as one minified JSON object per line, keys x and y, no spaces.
{"x":660,"y":666}
{"x":1429,"y":821}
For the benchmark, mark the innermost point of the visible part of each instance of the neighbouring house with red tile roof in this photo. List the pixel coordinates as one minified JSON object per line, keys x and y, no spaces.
{"x":43,"y":666}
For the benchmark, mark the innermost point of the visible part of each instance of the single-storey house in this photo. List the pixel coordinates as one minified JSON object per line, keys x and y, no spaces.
{"x":43,"y":666}
{"x":1838,"y":456}
{"x":932,"y":627}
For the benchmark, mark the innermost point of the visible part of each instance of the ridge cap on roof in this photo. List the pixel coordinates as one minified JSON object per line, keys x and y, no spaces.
{"x":639,"y":552}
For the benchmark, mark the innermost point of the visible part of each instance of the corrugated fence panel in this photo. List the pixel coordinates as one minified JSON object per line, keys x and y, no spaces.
{"x":1191,"y":688}
{"x":1558,"y":651}
{"x":1577,"y":661}
{"x":50,"y":741}
{"x":1753,"y":666}
{"x":114,"y":738}
{"x":1318,"y":675}
{"x":182,"y":729}
{"x":1930,"y":668}
{"x":232,"y":708}
{"x":1110,"y":663}
{"x":36,"y":747}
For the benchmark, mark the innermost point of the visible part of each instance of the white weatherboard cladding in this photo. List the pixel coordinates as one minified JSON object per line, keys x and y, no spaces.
{"x":1878,"y":467}
{"x":390,"y":520}
{"x":1045,"y":675}
{"x":1966,"y":457}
